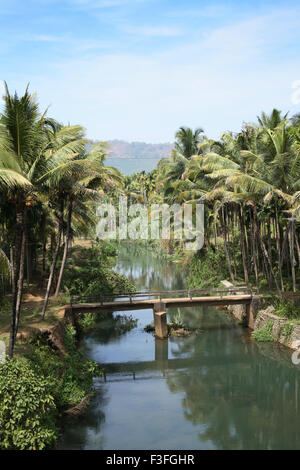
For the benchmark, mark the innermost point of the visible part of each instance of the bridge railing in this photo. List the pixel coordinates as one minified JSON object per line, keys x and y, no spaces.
{"x":160,"y":295}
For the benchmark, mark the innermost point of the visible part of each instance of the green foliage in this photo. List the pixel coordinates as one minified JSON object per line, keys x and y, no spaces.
{"x":287,"y":330}
{"x":177,"y":320}
{"x":27,"y":407}
{"x":286,"y":309}
{"x":71,"y":377}
{"x":264,"y":334}
{"x":89,"y":274}
{"x":87,"y":321}
{"x":207,"y":269}
{"x":70,"y":338}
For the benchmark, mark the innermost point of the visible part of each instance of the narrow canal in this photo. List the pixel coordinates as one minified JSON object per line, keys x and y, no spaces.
{"x":214,"y":390}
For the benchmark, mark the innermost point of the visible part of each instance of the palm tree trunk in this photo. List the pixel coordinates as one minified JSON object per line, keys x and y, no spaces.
{"x":55,"y":256}
{"x":253,"y":249}
{"x":44,"y":255}
{"x":269,"y":240}
{"x":226,"y":246}
{"x":21,"y":278}
{"x":68,"y":234}
{"x":278,"y":246}
{"x":244,"y":256}
{"x":11,"y":255}
{"x":215,"y":231}
{"x":292,"y":252}
{"x":265,"y":253}
{"x":298,"y":247}
{"x":284,"y":247}
{"x":28,"y":259}
{"x":18,"y":272}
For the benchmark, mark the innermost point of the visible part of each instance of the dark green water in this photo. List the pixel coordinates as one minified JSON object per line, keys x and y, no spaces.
{"x":214,"y":390}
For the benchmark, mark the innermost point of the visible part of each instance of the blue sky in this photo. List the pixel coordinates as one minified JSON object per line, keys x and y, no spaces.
{"x":139,"y":69}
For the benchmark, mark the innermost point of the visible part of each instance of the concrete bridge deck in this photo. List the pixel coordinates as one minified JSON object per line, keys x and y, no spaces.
{"x":141,"y":304}
{"x":159,"y":302}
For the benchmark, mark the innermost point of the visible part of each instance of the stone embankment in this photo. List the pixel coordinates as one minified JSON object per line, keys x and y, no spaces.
{"x":283,"y":330}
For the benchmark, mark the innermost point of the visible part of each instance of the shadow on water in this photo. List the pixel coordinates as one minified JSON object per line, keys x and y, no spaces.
{"x":214,"y":390}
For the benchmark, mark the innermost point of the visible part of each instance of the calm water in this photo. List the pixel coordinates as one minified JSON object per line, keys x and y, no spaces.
{"x":214,"y":390}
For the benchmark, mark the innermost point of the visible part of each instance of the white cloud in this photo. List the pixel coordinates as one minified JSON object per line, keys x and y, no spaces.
{"x":217,"y":82}
{"x":95,"y":4}
{"x":43,"y":38}
{"x":152,"y":31}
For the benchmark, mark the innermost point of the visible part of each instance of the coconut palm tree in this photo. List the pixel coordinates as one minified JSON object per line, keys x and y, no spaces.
{"x":23,"y":141}
{"x":74,"y":180}
{"x":96,"y":179}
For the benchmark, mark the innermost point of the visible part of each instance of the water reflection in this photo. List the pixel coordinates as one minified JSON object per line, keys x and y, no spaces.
{"x":149,"y":272}
{"x":214,"y":390}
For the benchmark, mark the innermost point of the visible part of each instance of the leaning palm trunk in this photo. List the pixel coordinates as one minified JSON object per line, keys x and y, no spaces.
{"x":55,"y":256}
{"x":298,"y":247}
{"x":66,"y":247}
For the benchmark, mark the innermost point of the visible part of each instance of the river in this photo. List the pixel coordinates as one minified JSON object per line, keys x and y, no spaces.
{"x":215,"y":390}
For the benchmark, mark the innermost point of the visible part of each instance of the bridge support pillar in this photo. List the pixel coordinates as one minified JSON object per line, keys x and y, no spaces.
{"x":160,"y":323}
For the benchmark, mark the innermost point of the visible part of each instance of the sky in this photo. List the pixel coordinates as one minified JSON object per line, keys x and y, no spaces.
{"x":138,"y":69}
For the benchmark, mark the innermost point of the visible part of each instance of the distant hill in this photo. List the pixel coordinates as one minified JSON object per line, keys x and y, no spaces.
{"x":133,"y":157}
{"x":139,"y":150}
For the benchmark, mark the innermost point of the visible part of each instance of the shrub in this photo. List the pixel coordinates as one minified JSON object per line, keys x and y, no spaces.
{"x":87,"y":321}
{"x":264,"y":334}
{"x":287,"y":330}
{"x":89,"y":273}
{"x":70,"y":378}
{"x":286,"y":309}
{"x":27,"y":409}
{"x":207,"y":269}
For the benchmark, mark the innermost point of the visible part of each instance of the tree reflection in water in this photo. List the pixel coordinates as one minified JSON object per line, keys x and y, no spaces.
{"x":217,"y":389}
{"x":244,"y":405}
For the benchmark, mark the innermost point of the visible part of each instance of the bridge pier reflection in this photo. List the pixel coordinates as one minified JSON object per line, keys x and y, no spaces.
{"x":161,"y":352}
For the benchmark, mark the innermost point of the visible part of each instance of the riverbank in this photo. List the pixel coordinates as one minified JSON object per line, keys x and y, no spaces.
{"x":271,"y":320}
{"x":55,"y":377}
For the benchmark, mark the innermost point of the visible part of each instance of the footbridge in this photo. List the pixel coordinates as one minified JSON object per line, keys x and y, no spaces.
{"x":160,"y":301}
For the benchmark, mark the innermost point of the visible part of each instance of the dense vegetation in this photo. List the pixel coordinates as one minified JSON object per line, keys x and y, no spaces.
{"x":50,"y":183}
{"x":89,"y":272}
{"x":250,"y":186}
{"x":36,"y":388}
